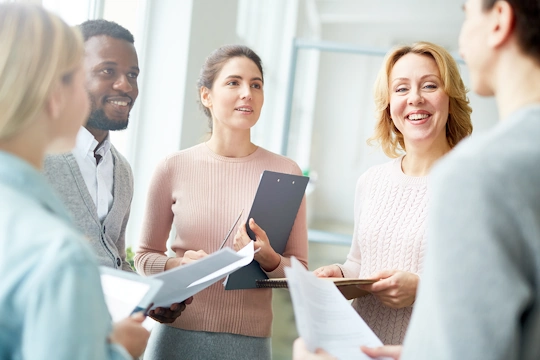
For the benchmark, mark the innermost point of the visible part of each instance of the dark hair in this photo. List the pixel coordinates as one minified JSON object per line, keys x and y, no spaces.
{"x":527,"y":18}
{"x":98,"y":27}
{"x":215,"y":62}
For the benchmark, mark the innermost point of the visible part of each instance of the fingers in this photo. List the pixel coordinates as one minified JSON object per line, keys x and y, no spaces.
{"x":300,"y":352}
{"x":177,"y":307}
{"x":130,"y":334}
{"x":380,"y":285}
{"x":393,"y":351}
{"x":190,"y":256}
{"x":328,"y":271}
{"x":386,"y":280}
{"x":241,"y":238}
{"x":383,"y":274}
{"x":243,"y":231}
{"x":138,"y":317}
{"x":164,"y":315}
{"x":259,"y":233}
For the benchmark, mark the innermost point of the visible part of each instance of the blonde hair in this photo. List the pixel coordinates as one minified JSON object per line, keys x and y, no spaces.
{"x":459,"y":123}
{"x":38,"y":51}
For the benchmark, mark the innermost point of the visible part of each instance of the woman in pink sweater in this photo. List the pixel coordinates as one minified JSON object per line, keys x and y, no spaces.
{"x":423,"y":112}
{"x":200,"y":192}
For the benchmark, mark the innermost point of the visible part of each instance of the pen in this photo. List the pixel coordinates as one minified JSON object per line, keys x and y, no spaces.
{"x":231,"y":229}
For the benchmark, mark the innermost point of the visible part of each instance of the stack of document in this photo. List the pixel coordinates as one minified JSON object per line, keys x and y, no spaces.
{"x":324,"y":318}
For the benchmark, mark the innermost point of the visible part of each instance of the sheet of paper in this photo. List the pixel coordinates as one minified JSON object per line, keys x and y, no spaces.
{"x":124,"y":291}
{"x":246,"y":252}
{"x":324,"y":318}
{"x":178,"y":283}
{"x":149,"y":323}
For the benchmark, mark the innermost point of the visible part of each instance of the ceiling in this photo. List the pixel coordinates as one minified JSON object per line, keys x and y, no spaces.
{"x":398,"y":20}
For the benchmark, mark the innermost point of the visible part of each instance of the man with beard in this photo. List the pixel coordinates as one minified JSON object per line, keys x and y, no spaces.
{"x":94,"y":180}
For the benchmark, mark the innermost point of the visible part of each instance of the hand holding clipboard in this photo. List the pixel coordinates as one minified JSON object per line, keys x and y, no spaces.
{"x":265,"y":255}
{"x":274,"y":210}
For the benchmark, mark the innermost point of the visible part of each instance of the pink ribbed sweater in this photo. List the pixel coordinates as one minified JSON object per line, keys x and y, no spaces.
{"x":389,"y":233}
{"x":201,"y":193}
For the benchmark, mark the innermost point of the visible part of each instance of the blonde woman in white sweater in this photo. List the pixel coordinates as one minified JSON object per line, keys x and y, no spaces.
{"x":422,"y":112}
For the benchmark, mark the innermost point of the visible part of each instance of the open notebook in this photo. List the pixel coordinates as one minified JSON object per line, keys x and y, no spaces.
{"x":347,"y":286}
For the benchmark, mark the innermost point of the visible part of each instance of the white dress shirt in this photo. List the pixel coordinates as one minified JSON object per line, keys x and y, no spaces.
{"x":99,"y":177}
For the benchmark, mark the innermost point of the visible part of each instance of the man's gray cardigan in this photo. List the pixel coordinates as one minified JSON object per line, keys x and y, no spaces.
{"x":107,"y":239}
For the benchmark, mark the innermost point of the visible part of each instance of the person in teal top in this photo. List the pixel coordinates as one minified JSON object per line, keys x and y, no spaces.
{"x":51,"y":301}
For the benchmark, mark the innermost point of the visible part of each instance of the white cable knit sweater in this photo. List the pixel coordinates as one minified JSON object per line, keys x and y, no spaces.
{"x":389,"y":233}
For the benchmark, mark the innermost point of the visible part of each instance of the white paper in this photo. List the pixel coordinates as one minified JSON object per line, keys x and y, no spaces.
{"x":324,"y":318}
{"x":125,"y":292}
{"x":149,"y":323}
{"x":184,"y":281}
{"x":247,"y":257}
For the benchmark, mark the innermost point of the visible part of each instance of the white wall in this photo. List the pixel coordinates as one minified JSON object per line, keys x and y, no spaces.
{"x":212,"y":26}
{"x":155,"y":127}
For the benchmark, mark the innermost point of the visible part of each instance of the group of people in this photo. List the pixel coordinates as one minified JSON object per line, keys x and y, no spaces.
{"x":461,"y":246}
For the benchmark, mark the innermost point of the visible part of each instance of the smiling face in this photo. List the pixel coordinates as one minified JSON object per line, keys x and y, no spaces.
{"x":418,"y":103}
{"x":112,"y":69}
{"x":236,"y":98}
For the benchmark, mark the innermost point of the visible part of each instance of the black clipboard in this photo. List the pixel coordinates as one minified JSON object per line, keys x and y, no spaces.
{"x":274,"y":209}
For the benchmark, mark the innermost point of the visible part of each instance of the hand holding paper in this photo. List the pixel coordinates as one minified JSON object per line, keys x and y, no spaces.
{"x":182,"y":282}
{"x":126,"y":291}
{"x":324,"y":318}
{"x":169,"y":315}
{"x":131,"y":335}
{"x":246,"y":257}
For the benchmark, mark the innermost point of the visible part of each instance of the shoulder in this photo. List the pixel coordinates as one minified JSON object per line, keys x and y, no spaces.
{"x":186,"y":155}
{"x":42,"y":233}
{"x":54,"y":163}
{"x":379,"y":170}
{"x":502,"y":163}
{"x":507,"y":152}
{"x":284,"y":163}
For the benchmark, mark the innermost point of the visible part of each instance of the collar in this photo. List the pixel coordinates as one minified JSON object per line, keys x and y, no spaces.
{"x":86,"y":143}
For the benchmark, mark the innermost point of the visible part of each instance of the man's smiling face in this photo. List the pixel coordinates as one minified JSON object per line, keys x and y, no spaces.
{"x":112,"y":69}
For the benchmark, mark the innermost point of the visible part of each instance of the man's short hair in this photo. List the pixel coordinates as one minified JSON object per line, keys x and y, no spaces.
{"x":527,"y":18}
{"x":91,"y":28}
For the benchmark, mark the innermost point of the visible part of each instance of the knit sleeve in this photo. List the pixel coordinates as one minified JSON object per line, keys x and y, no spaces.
{"x":150,"y":257}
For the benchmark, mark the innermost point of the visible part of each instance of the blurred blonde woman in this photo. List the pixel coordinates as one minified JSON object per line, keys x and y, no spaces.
{"x":51,"y":302}
{"x":422,"y":112}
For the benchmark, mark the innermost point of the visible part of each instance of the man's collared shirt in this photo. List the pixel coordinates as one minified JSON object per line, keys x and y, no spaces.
{"x":98,"y":175}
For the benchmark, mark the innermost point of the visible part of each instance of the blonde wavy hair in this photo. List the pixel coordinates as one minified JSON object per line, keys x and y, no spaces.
{"x":38,"y":51}
{"x":459,"y":123}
